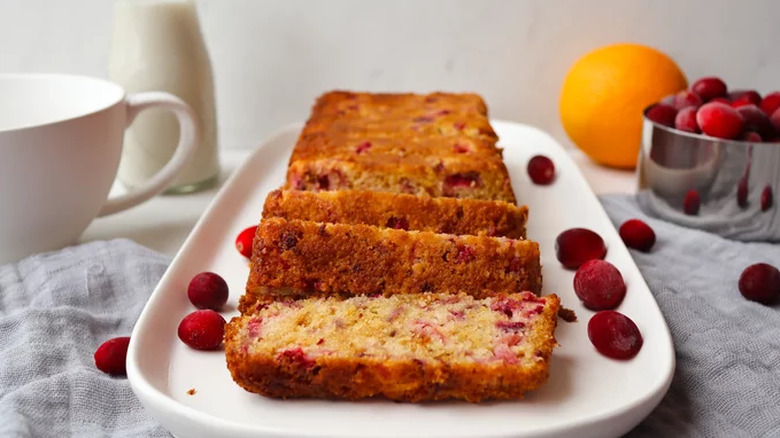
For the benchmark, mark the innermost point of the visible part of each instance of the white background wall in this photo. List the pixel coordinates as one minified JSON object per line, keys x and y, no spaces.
{"x":271,"y":58}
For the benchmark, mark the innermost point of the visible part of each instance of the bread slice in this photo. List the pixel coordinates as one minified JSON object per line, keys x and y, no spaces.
{"x":302,"y":258}
{"x":428,"y":145}
{"x":407,"y":212}
{"x":404,"y":347}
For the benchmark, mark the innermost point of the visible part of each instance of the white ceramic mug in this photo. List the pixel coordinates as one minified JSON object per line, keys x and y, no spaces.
{"x":60,"y":146}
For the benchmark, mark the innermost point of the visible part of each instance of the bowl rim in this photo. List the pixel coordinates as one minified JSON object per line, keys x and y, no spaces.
{"x":675,"y":131}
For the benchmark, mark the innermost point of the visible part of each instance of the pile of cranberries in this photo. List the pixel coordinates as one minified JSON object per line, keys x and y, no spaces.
{"x":709,"y":108}
{"x":202,"y":329}
{"x":600,"y":286}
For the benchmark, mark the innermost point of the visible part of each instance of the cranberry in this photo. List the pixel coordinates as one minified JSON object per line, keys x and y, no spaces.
{"x":740,"y":103}
{"x":541,"y":170}
{"x":719,"y":120}
{"x":460,"y":148}
{"x":614,"y":335}
{"x":468,"y":179}
{"x":692,"y":202}
{"x":202,"y":329}
{"x":465,"y":254}
{"x":460,"y":180}
{"x":208,"y":290}
{"x":770,"y":103}
{"x":662,"y":114}
{"x":510,"y":325}
{"x":721,"y":100}
{"x":362,"y":147}
{"x":686,"y":120}
{"x":755,"y":120}
{"x":111,"y":356}
{"x":323,"y":182}
{"x":775,"y":120}
{"x":576,"y":246}
{"x":742,"y":192}
{"x":295,"y":357}
{"x":244,"y":241}
{"x":685,"y":99}
{"x":760,"y":283}
{"x":397,"y":223}
{"x":297,"y":182}
{"x":637,"y":234}
{"x":599,"y":285}
{"x":766,"y":198}
{"x":749,"y":96}
{"x":709,"y":88}
{"x":515,"y":264}
{"x":289,"y":239}
{"x":751,"y":136}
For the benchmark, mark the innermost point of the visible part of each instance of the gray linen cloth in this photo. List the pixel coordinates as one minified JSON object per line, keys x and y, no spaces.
{"x":56,"y":308}
{"x":727,"y":380}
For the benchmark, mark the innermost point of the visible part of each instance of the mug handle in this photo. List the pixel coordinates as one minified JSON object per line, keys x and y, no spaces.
{"x":189,"y":139}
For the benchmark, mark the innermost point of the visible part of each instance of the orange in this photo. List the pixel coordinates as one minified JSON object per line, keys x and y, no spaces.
{"x":604,"y":94}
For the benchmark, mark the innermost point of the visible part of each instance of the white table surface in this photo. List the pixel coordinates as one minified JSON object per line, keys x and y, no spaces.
{"x":164,"y":222}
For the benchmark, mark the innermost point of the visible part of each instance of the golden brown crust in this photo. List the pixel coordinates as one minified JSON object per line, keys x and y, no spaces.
{"x":344,"y":113}
{"x":380,"y":105}
{"x":433,"y":145}
{"x":401,"y":211}
{"x":303,"y":258}
{"x":407,"y":379}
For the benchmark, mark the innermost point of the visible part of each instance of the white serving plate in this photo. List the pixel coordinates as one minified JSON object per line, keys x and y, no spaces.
{"x":587,"y":395}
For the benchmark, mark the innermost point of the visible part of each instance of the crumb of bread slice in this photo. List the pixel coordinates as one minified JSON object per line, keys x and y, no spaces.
{"x":403,"y":347}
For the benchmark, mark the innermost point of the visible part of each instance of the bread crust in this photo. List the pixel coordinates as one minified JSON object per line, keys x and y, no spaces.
{"x":302,"y":258}
{"x":406,"y":380}
{"x":400,"y":211}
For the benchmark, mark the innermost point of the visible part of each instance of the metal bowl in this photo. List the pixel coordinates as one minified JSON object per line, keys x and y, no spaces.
{"x":672,"y":162}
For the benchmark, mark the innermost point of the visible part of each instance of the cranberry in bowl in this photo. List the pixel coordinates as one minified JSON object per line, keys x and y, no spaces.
{"x":707,"y":170}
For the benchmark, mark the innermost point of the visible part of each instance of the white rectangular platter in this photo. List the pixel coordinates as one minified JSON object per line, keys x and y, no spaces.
{"x":587,"y":395}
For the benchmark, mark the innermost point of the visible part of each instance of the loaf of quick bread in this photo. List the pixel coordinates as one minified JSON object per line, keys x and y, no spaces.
{"x":401,"y":211}
{"x":403,"y":347}
{"x":393,"y":263}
